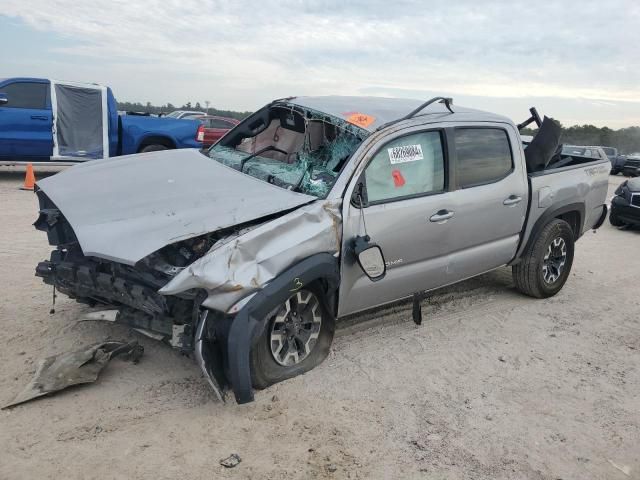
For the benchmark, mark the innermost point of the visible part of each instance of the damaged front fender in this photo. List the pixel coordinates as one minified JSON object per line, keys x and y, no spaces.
{"x":234,"y":269}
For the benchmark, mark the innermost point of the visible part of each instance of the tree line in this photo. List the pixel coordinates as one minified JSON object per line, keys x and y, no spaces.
{"x":168,"y":108}
{"x":626,"y":140}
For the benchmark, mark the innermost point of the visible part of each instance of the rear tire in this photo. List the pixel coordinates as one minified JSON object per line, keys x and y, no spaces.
{"x":545,"y":266}
{"x":156,"y":147}
{"x":274,"y":358}
{"x":615,"y":221}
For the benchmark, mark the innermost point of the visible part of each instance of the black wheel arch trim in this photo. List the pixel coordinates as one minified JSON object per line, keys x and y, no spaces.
{"x":250,"y":321}
{"x":546,"y":217}
{"x":603,"y":217}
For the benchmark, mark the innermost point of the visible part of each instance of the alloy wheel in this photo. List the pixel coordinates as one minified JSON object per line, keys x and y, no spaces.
{"x":554,"y":260}
{"x":295,"y":328}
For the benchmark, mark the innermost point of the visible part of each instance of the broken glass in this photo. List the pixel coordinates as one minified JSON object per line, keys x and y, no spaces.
{"x":307,"y":159}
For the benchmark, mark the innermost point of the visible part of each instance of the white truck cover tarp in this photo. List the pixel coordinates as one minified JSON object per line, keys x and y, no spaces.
{"x":81,"y":121}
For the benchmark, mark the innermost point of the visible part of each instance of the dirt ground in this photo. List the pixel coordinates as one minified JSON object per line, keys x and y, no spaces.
{"x":493,"y":385}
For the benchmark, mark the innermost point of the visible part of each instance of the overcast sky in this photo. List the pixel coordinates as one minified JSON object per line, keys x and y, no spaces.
{"x":577,"y":60}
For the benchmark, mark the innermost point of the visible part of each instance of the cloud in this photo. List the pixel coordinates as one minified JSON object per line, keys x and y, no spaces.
{"x":241,"y":52}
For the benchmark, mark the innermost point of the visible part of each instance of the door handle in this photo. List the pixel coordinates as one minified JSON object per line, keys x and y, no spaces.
{"x":39,"y":117}
{"x":441,"y":216}
{"x":512,"y":200}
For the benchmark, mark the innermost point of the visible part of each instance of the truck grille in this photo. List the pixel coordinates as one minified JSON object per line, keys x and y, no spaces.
{"x":635,"y":200}
{"x":632,"y":162}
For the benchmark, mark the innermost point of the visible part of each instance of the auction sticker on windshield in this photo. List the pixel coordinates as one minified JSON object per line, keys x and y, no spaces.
{"x":405,"y":153}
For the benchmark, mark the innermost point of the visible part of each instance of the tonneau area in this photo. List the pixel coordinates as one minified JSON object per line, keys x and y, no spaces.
{"x":573,"y":188}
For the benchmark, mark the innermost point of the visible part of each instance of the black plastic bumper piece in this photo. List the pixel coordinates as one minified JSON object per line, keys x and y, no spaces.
{"x":621,"y":208}
{"x":249,"y":322}
{"x":85,"y":281}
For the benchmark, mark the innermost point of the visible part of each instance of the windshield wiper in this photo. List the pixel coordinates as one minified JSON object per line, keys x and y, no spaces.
{"x":261,"y":151}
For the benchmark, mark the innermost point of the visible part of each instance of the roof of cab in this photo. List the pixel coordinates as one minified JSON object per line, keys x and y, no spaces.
{"x":47,"y":80}
{"x":24,"y":79}
{"x":372,"y":112}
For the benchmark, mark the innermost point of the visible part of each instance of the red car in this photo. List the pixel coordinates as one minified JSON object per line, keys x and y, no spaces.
{"x":213,"y":128}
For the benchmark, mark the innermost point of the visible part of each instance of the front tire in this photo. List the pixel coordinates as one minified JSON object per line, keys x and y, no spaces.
{"x":545,"y":266}
{"x":296,"y":338}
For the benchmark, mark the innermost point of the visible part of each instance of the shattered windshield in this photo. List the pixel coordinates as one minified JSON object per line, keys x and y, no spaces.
{"x":294,"y":148}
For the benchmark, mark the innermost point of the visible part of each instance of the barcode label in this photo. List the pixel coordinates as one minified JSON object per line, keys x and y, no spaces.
{"x":407,"y":153}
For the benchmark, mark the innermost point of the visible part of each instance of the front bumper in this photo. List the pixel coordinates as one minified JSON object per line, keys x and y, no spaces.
{"x":625,"y":211}
{"x":631,"y":171}
{"x":221,"y":343}
{"x":134,"y":295}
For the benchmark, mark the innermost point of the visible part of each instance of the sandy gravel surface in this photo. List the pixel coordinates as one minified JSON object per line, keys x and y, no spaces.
{"x":494,"y":385}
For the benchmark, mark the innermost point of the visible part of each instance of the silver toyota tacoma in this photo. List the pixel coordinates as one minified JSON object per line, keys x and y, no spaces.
{"x":312,"y":209}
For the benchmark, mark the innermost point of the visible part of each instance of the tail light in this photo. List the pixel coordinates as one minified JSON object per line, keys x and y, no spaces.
{"x":200,"y":134}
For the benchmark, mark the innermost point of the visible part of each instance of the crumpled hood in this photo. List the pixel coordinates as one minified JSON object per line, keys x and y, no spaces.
{"x":125,"y":208}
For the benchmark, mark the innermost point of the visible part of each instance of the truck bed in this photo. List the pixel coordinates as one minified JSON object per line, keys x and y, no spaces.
{"x":579,"y":187}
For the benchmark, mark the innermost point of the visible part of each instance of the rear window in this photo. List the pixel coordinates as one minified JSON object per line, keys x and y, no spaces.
{"x":609,"y":151}
{"x":483,"y":156}
{"x":572,"y":151}
{"x":217,"y":123}
{"x":26,"y":95}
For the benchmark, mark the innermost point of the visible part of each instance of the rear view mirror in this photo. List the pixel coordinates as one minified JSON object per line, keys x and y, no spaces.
{"x":370,"y":258}
{"x":3,"y":99}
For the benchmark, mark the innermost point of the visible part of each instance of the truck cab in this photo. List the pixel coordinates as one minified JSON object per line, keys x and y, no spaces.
{"x":44,"y":120}
{"x":26,"y":119}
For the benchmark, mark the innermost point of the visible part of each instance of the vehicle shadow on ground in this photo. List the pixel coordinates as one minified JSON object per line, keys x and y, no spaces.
{"x":499,"y":280}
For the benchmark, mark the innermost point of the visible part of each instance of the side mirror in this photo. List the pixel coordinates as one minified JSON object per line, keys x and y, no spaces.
{"x":3,"y":99}
{"x":370,"y":258}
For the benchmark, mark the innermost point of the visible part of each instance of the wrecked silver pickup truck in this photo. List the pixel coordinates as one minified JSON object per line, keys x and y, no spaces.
{"x":311,"y":209}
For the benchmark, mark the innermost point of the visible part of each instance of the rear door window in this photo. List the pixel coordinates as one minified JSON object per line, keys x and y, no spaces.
{"x":26,"y":95}
{"x":483,"y":156}
{"x":408,"y":166}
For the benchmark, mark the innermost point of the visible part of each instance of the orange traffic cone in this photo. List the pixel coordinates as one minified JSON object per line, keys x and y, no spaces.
{"x":29,"y":179}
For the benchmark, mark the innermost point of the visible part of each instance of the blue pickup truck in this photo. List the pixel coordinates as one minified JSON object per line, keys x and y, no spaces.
{"x":46,"y":120}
